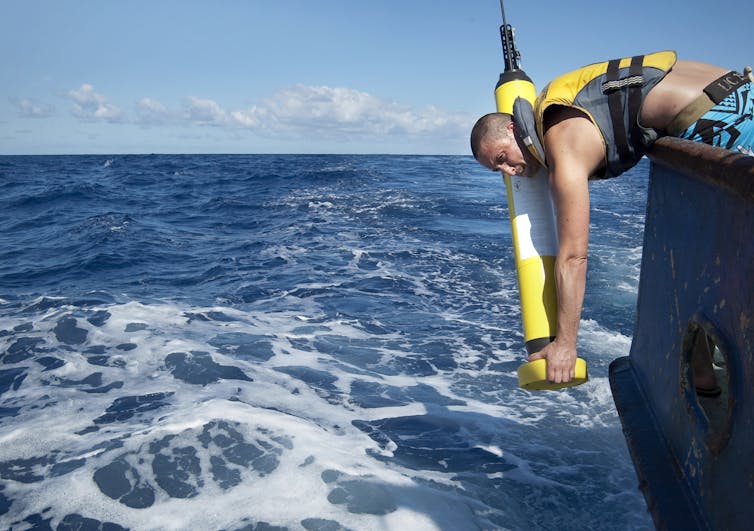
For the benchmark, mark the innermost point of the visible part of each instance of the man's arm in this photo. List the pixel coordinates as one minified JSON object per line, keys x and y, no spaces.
{"x":575,"y":151}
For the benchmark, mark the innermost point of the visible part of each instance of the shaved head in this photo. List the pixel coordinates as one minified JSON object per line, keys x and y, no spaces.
{"x":489,"y":126}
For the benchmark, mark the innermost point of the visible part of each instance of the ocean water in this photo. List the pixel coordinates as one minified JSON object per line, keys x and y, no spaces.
{"x":296,"y":342}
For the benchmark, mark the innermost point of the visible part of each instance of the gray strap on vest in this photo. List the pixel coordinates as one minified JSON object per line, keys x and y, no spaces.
{"x":614,"y":87}
{"x":635,"y":97}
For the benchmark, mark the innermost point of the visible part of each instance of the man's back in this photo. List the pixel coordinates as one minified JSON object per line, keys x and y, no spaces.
{"x":677,"y":89}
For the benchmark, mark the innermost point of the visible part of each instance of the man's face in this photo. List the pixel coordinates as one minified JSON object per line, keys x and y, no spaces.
{"x":503,"y":154}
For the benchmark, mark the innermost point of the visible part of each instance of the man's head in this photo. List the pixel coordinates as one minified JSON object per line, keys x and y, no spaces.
{"x":494,"y":144}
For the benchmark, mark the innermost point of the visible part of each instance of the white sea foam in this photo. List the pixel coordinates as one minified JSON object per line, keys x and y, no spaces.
{"x":308,"y":431}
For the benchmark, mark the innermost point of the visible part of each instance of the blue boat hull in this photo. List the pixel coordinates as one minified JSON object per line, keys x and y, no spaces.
{"x":694,"y":456}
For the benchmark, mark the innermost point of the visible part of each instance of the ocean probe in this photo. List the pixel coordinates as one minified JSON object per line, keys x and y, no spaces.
{"x":535,"y":239}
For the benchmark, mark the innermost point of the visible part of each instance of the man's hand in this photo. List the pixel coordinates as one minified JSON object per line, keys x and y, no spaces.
{"x":561,"y":361}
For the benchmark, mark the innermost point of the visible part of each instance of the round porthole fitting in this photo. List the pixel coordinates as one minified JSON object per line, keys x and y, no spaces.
{"x":705,"y":380}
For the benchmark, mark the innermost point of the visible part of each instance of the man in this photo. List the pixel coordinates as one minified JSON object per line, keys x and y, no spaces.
{"x":597,"y":122}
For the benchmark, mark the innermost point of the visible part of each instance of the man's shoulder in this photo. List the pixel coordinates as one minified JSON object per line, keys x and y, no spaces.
{"x":556,"y":114}
{"x":571,"y":138}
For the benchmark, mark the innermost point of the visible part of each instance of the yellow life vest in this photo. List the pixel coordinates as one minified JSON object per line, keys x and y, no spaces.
{"x":610,"y":93}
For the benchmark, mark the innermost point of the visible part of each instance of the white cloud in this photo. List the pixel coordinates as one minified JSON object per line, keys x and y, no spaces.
{"x":90,"y":105}
{"x":341,"y":110}
{"x":150,"y":111}
{"x":29,"y":109}
{"x":206,"y":112}
{"x":198,"y":111}
{"x":254,"y":117}
{"x":325,"y":109}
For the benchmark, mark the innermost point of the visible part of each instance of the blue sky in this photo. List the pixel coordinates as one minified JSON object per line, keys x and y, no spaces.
{"x":308,"y":76}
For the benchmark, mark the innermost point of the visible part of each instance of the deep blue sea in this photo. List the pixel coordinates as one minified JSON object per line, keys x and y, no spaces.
{"x":294,"y":342}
